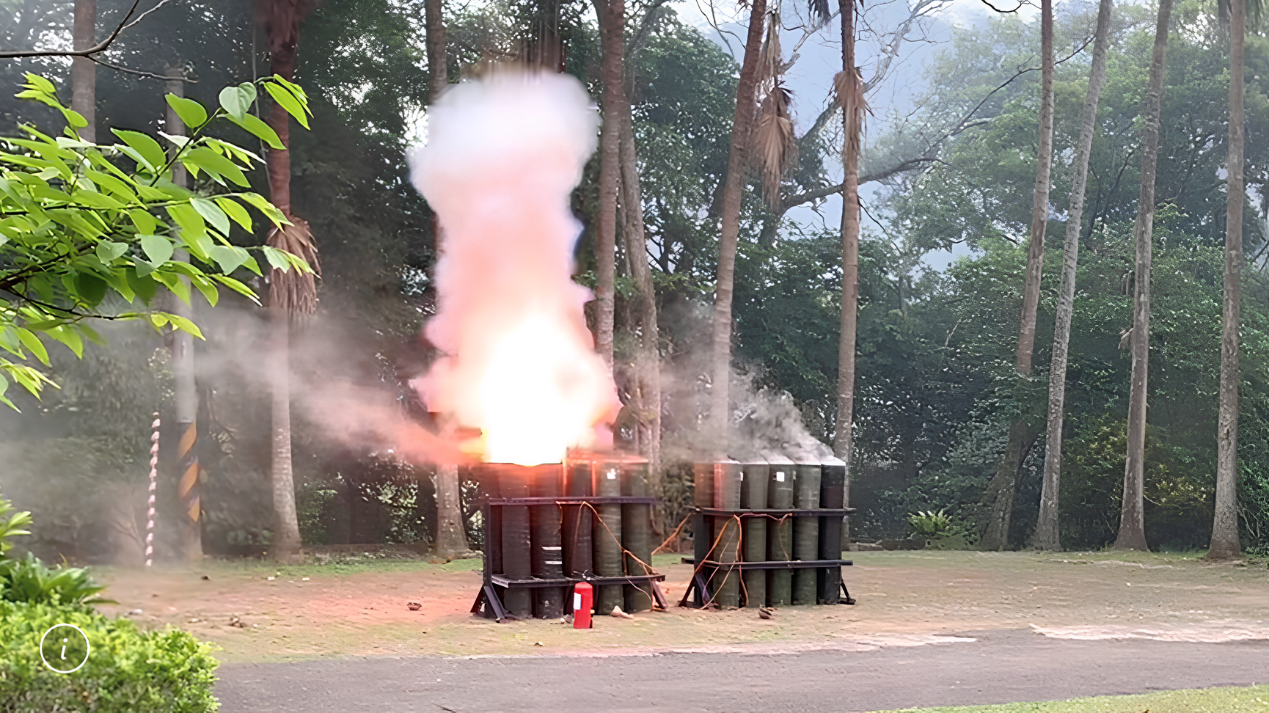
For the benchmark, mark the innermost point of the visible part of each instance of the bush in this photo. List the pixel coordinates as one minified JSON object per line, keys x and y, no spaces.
{"x":128,"y":670}
{"x":930,"y":524}
{"x":29,"y":581}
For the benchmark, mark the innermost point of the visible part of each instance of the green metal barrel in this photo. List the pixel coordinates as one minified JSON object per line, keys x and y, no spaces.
{"x":513,"y":482}
{"x":806,"y":530}
{"x":578,"y":535}
{"x":753,"y":496}
{"x":832,"y":495}
{"x":608,"y":537}
{"x":726,"y":583}
{"x":702,"y":525}
{"x":636,"y":533}
{"x":546,"y":481}
{"x":780,"y":531}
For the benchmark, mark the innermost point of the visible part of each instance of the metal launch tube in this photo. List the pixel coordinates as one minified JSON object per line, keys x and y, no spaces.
{"x":780,"y":532}
{"x":548,"y":555}
{"x":702,"y":525}
{"x":806,"y":530}
{"x":636,"y":533}
{"x":578,"y":553}
{"x":726,"y":583}
{"x":832,"y":496}
{"x":607,"y":533}
{"x":513,"y":482}
{"x":753,"y":496}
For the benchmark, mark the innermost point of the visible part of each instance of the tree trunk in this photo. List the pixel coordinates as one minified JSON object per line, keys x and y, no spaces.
{"x":999,"y":496}
{"x":733,"y":188}
{"x":438,"y":66}
{"x":850,"y":246}
{"x":1046,"y":532}
{"x":188,"y":485}
{"x":451,"y":534}
{"x":612,"y":15}
{"x":286,"y":537}
{"x":1132,"y":532}
{"x":83,"y":70}
{"x":1225,"y":544}
{"x":649,"y":369}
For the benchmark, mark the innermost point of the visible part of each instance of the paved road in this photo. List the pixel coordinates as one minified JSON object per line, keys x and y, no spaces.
{"x":997,"y":667}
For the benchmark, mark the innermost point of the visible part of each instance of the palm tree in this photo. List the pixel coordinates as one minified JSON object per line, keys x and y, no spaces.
{"x":733,"y":187}
{"x":292,"y":294}
{"x":451,"y":533}
{"x":612,"y":24}
{"x":850,"y":94}
{"x":1046,"y":532}
{"x":1132,"y":532}
{"x":999,"y":495}
{"x":1225,"y":544}
{"x":83,"y":69}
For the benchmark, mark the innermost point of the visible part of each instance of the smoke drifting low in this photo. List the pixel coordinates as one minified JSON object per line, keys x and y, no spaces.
{"x":502,"y":157}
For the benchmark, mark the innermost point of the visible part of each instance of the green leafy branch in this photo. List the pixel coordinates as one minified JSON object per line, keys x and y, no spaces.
{"x":92,"y":231}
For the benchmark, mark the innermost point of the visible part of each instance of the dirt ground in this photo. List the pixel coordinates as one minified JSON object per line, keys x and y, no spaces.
{"x":358,"y":607}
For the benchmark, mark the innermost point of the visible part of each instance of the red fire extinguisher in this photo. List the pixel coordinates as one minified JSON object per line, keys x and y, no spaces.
{"x":583,"y":600}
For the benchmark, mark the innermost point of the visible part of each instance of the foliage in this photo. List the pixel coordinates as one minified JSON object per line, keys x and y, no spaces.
{"x":930,"y":523}
{"x":29,"y":581}
{"x":11,"y":524}
{"x":84,"y":235}
{"x":128,"y":670}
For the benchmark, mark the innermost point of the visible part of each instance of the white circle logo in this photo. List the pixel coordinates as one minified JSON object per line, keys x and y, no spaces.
{"x":66,"y":648}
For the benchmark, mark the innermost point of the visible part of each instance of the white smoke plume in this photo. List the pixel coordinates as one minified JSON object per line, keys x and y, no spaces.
{"x":502,"y":156}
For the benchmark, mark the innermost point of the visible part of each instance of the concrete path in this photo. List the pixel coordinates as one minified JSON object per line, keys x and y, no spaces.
{"x":970,"y":668}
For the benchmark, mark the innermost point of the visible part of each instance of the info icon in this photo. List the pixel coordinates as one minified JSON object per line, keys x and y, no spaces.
{"x":64,"y":648}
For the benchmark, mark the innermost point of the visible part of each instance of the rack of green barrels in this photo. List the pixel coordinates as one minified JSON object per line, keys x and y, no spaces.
{"x":548,"y":527}
{"x":768,"y":532}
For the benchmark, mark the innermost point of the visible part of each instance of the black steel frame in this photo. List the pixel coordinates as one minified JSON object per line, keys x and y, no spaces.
{"x":491,"y":600}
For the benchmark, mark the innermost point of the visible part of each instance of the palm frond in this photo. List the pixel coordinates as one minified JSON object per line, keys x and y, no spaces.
{"x":818,"y":11}
{"x":774,"y":141}
{"x":293,"y":291}
{"x":281,"y":20}
{"x":770,"y":62}
{"x":849,"y":87}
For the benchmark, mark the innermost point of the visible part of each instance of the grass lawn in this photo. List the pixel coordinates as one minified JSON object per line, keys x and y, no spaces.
{"x":1209,"y":700}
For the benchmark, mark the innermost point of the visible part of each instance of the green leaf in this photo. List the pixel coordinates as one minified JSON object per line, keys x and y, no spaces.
{"x":236,"y":286}
{"x":92,"y":289}
{"x":185,"y":325}
{"x":157,"y":248}
{"x":67,"y":335}
{"x":108,"y":251}
{"x":190,"y":111}
{"x":208,"y":288}
{"x":260,"y":130}
{"x":213,"y":162}
{"x":143,"y":285}
{"x":287,"y":101}
{"x":174,"y":283}
{"x":277,"y":258}
{"x":269,"y":210}
{"x":229,"y":258}
{"x":187,"y":218}
{"x":147,"y":147}
{"x":235,"y":102}
{"x":212,"y":213}
{"x":143,"y":221}
{"x":32,"y":342}
{"x":235,"y":211}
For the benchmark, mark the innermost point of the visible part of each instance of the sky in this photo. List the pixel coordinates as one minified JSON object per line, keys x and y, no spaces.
{"x":819,"y":59}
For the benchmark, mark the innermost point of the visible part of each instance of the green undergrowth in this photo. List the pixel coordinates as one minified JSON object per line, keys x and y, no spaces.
{"x":1254,"y":699}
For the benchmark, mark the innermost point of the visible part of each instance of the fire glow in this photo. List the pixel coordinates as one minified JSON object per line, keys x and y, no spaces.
{"x":502,"y":157}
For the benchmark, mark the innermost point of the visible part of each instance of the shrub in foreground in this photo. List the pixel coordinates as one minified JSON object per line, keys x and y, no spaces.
{"x":128,"y":671}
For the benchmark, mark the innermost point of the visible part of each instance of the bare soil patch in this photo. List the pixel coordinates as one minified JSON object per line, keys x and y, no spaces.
{"x":904,"y":598}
